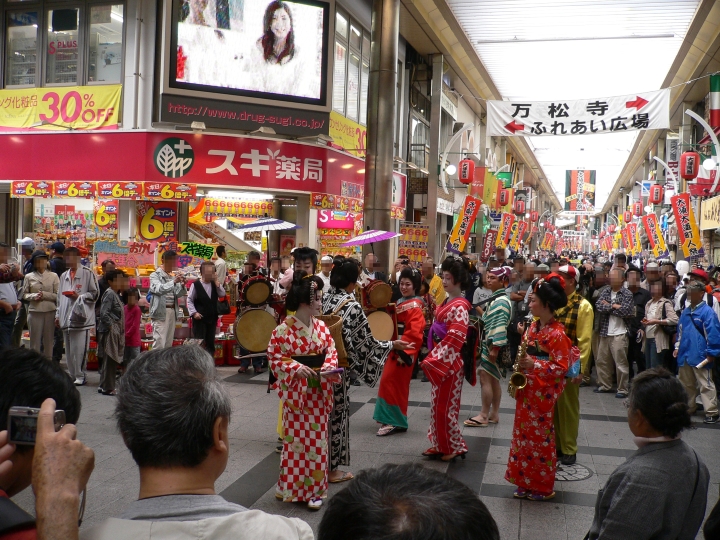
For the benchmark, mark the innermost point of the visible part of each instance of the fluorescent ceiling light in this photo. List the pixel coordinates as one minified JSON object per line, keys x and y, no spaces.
{"x":240,"y":195}
{"x":579,"y":38}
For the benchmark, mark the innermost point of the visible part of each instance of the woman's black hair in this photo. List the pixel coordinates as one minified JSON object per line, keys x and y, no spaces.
{"x":424,"y":283}
{"x":268,"y":38}
{"x":459,"y":270}
{"x":132,"y":291}
{"x":345,"y":271}
{"x":413,"y":275}
{"x":662,"y":400}
{"x":550,"y":292}
{"x":301,"y":289}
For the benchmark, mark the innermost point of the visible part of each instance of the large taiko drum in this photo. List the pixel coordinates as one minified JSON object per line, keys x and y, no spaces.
{"x":253,"y":330}
{"x":382,"y":325}
{"x":376,"y":294}
{"x":255,"y":290}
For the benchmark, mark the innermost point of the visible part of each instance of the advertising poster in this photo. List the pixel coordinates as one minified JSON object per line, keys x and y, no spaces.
{"x":413,"y":242}
{"x":580,"y":190}
{"x":287,"y":243}
{"x":488,"y":245}
{"x":213,"y":209}
{"x":348,"y":134}
{"x":710,"y":214}
{"x":254,"y":49}
{"x":463,"y":226}
{"x":331,"y":219}
{"x":157,"y":221}
{"x":75,"y":190}
{"x":168,"y":191}
{"x":655,"y":237}
{"x":22,"y":189}
{"x":688,"y":233}
{"x":120,"y":190}
{"x":127,"y":254}
{"x":105,"y":215}
{"x":67,"y":107}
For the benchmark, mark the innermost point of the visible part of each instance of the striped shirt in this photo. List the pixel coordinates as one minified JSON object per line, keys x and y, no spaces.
{"x":496,"y":319}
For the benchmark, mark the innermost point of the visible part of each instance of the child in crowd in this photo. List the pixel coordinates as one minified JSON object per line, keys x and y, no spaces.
{"x":133,"y":315}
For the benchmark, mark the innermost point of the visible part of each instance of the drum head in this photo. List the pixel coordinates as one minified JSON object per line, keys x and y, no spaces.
{"x":381,"y":325}
{"x":256,"y":291}
{"x":253,"y":330}
{"x":379,"y":294}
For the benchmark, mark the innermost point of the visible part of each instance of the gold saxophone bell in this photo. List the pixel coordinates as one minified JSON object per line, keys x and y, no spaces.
{"x":518,"y":380}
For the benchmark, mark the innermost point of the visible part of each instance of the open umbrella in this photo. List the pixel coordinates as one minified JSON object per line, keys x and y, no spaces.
{"x":265,"y":224}
{"x":369,"y":237}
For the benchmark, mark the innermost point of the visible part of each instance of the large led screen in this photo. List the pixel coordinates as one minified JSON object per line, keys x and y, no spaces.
{"x":258,"y":48}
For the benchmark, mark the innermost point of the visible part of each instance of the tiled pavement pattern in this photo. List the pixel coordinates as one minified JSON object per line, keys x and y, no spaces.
{"x":252,"y":470}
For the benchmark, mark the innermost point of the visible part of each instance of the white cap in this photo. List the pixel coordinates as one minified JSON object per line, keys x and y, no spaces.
{"x":26,"y":242}
{"x":326,"y":258}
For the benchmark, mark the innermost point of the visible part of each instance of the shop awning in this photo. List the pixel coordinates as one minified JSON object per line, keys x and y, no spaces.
{"x":222,"y":235}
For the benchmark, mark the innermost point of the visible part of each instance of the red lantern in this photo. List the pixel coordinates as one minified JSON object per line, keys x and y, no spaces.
{"x":466,"y":171}
{"x":504,"y":197}
{"x":627,"y":216}
{"x":519,"y":207}
{"x":656,"y":194}
{"x":638,"y":208}
{"x":689,"y":165}
{"x":533,"y":216}
{"x":611,"y":229}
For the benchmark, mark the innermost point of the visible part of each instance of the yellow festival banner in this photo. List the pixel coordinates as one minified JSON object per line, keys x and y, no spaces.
{"x":688,"y":234}
{"x":655,"y":237}
{"x":506,"y":223}
{"x":461,"y":231}
{"x":59,"y":108}
{"x":635,"y":232}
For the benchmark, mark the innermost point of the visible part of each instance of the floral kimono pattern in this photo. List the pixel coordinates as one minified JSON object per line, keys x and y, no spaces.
{"x":306,"y":409}
{"x":394,"y":392}
{"x":444,"y":367}
{"x":533,"y":462}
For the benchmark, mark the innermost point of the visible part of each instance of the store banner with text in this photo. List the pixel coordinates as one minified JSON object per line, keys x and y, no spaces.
{"x":60,"y":108}
{"x":645,"y":110}
{"x":655,"y":237}
{"x":413,"y":241}
{"x":197,"y":249}
{"x":351,"y":136}
{"x":105,"y":216}
{"x":506,"y":223}
{"x":151,"y":191}
{"x":463,"y":226}
{"x":688,"y":233}
{"x":580,"y":191}
{"x":40,"y":189}
{"x":331,"y":219}
{"x":169,"y":191}
{"x":157,"y":221}
{"x":710,"y":214}
{"x":488,"y":245}
{"x":120,"y":190}
{"x":325,"y":201}
{"x":212,"y":209}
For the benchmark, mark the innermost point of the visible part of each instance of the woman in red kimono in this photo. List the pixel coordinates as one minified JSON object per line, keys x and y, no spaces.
{"x":306,"y":395}
{"x":444,"y":365}
{"x":392,"y":401}
{"x":550,"y":353}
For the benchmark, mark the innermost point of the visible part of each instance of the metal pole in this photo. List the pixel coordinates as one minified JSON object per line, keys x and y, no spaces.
{"x":381,"y":122}
{"x":434,"y":162}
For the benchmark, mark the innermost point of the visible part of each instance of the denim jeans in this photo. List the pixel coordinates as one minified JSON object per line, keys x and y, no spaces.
{"x":653,"y":358}
{"x":7,"y":321}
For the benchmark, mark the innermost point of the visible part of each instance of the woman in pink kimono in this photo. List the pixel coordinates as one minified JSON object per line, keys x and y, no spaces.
{"x":301,"y":352}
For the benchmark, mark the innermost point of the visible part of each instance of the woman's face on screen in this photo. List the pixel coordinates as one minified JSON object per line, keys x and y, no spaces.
{"x":280,"y":24}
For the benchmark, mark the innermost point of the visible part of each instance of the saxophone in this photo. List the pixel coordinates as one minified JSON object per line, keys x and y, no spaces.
{"x":518,"y":380}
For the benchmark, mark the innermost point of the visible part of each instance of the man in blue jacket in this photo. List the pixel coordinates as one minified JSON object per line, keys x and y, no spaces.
{"x":697,"y":347}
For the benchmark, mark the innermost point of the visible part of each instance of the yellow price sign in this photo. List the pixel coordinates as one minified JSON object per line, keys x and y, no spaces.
{"x":151,"y":228}
{"x":102,"y":218}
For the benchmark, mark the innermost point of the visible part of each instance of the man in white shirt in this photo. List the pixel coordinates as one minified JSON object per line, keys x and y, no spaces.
{"x":326,"y":264}
{"x":220,"y":266}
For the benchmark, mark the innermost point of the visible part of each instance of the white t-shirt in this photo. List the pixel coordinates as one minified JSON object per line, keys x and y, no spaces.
{"x":481,"y":293}
{"x":326,"y":281}
{"x":617,"y":325}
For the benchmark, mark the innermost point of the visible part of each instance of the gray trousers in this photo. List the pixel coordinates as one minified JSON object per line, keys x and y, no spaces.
{"x":76,"y":347}
{"x":42,"y":331}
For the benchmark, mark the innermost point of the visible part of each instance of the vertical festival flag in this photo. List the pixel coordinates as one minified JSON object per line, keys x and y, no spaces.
{"x":518,"y":238}
{"x":634,"y":238}
{"x":688,"y":234}
{"x":506,"y":223}
{"x":626,"y":238}
{"x":461,"y":231}
{"x":654,"y":234}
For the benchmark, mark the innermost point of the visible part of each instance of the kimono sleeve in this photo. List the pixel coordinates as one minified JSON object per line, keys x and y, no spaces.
{"x":445,"y":358}
{"x":279,"y":360}
{"x":414,"y":330}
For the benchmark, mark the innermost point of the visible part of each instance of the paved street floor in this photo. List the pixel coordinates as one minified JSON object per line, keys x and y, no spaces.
{"x":252,"y":471}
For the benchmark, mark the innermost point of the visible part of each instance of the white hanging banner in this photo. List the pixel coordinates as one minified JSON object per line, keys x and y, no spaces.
{"x":648,"y":110}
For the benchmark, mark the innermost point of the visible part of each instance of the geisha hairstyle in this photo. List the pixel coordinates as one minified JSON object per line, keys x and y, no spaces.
{"x":459,"y":269}
{"x":550,"y":290}
{"x":413,"y":274}
{"x":345,"y":271}
{"x":303,"y":288}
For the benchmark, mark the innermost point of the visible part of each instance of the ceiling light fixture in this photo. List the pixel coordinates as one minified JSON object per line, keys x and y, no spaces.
{"x":595,"y":38}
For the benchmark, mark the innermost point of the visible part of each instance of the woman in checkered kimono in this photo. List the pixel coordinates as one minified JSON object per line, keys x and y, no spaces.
{"x":307,"y":396}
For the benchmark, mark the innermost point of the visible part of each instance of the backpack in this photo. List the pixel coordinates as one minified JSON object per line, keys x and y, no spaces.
{"x":708,"y":299}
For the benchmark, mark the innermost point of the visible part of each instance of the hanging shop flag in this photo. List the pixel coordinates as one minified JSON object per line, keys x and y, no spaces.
{"x":463,"y":226}
{"x":169,"y":191}
{"x":688,"y":233}
{"x":506,"y":222}
{"x":647,"y":110}
{"x":23,"y":189}
{"x":59,"y":108}
{"x":580,"y":191}
{"x":75,"y":190}
{"x":488,"y":245}
{"x":547,"y":241}
{"x":157,"y":221}
{"x":120,"y":190}
{"x":655,"y":237}
{"x":105,"y":215}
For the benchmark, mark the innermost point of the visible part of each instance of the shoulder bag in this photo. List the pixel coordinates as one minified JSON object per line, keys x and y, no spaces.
{"x":669,"y":329}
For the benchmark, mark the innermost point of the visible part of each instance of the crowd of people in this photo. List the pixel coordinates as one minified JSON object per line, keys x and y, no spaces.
{"x":650,"y":329}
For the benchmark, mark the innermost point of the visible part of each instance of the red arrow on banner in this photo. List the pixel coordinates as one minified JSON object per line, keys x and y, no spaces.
{"x":514,"y":126}
{"x":639,"y":103}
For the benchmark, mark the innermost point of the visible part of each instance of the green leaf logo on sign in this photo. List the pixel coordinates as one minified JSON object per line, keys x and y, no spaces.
{"x":174,"y":157}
